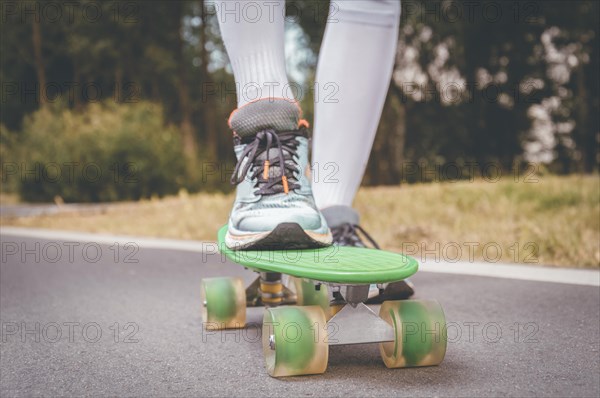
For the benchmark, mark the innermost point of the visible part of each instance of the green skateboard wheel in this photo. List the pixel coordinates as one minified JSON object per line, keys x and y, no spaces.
{"x":223,"y":303}
{"x":295,"y":341}
{"x":420,"y":333}
{"x":307,"y":294}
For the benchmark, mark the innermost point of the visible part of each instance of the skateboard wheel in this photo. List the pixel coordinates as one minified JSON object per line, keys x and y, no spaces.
{"x":420,"y":333}
{"x":223,"y":303}
{"x":295,"y":341}
{"x":307,"y":294}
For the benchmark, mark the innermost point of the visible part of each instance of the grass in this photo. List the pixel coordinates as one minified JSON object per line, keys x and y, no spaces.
{"x":554,"y":221}
{"x":9,"y":198}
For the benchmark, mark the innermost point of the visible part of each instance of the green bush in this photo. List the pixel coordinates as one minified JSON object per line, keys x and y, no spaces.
{"x":107,"y":152}
{"x":8,"y":147}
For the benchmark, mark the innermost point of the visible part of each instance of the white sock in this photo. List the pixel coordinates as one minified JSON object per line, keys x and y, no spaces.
{"x":253,"y":33}
{"x":357,"y":54}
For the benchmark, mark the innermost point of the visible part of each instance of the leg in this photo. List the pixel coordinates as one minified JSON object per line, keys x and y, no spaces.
{"x":274,"y":206}
{"x":358,"y":55}
{"x":255,"y":47}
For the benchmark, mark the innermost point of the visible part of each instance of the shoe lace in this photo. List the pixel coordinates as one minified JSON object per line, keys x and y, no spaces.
{"x":259,"y":166}
{"x":347,"y":235}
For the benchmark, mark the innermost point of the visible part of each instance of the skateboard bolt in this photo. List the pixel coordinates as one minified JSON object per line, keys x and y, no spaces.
{"x":204,"y":303}
{"x":272,"y":342}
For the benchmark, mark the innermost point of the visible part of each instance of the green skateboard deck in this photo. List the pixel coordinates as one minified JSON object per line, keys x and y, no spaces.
{"x":334,"y":264}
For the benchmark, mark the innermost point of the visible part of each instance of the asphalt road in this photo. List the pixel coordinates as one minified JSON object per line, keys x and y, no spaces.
{"x":119,"y":322}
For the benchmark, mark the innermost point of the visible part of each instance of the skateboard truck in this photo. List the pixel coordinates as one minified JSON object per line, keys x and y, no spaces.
{"x":355,"y":294}
{"x":268,"y":290}
{"x":358,"y":324}
{"x":372,"y":329}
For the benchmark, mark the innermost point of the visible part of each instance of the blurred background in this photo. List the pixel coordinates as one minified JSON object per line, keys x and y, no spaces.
{"x":143,"y":90}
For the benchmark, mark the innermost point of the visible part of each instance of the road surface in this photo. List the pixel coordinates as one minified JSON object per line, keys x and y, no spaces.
{"x":94,"y":319}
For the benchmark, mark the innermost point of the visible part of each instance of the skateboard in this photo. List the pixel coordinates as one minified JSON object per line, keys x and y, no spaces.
{"x":315,"y":298}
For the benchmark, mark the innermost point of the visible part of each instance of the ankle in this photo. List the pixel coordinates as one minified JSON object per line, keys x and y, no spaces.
{"x":338,"y":215}
{"x":277,"y":114}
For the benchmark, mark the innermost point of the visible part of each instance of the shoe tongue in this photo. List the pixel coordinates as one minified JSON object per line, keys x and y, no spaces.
{"x":274,"y":169}
{"x":278,"y":114}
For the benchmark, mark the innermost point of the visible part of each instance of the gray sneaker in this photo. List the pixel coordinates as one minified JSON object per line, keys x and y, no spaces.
{"x":343,"y":221}
{"x":274,"y":206}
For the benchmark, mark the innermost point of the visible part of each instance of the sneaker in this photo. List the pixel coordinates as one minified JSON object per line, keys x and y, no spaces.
{"x":343,"y":221}
{"x":274,"y":207}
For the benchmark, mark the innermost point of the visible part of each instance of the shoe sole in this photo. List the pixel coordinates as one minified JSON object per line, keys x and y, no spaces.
{"x":285,"y":236}
{"x":401,"y":290}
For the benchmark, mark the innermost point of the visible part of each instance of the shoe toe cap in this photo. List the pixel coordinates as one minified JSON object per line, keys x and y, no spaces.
{"x":262,"y":222}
